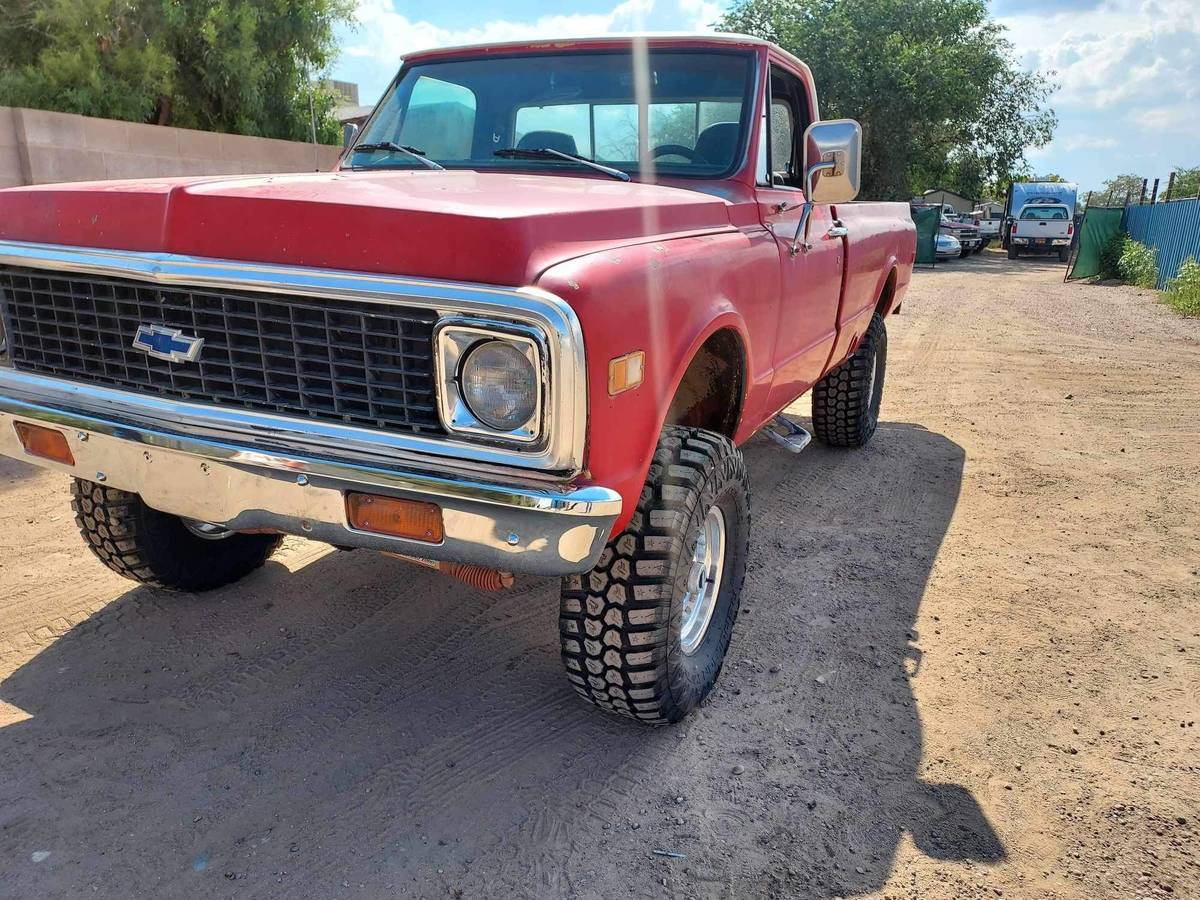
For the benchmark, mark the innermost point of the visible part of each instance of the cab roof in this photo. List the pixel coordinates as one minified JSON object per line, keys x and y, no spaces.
{"x":607,"y":41}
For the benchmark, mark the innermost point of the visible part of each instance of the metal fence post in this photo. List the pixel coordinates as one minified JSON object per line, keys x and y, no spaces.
{"x":1170,"y":187}
{"x":1142,"y":199}
{"x":1154,"y":193}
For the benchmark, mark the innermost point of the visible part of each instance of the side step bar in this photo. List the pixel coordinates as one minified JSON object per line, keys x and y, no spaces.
{"x":790,"y":436}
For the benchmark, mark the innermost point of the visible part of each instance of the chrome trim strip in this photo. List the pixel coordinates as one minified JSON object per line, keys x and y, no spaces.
{"x":567,"y":500}
{"x":537,"y":532}
{"x":529,"y":306}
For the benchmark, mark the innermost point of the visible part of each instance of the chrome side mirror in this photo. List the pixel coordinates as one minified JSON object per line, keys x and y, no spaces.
{"x":838,"y":141}
{"x":349,"y":133}
{"x":832,"y":170}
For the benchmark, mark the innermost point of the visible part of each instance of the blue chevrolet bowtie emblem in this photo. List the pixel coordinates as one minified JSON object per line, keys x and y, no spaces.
{"x":170,"y":344}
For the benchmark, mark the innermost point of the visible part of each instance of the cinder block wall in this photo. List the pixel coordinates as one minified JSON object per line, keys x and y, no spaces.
{"x":40,"y":147}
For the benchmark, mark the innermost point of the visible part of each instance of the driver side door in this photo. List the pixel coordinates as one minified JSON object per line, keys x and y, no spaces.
{"x":811,"y":280}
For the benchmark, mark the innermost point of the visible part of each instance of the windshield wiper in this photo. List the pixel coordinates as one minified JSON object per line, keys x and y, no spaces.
{"x":389,"y":147}
{"x":547,"y":153}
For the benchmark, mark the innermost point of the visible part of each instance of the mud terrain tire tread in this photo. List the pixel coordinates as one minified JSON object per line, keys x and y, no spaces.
{"x":619,"y":623}
{"x":155,"y":548}
{"x":845,"y":403}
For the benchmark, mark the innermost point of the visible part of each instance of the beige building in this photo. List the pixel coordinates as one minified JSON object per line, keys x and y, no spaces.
{"x":939,"y":196}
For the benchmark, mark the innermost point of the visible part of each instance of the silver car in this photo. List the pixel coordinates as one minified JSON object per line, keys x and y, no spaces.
{"x":948,"y":246}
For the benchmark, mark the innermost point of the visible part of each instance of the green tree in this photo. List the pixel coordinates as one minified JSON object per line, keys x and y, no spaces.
{"x":242,"y":66}
{"x":1187,"y":181}
{"x":95,"y":57}
{"x":1116,"y":189}
{"x":933,"y":82}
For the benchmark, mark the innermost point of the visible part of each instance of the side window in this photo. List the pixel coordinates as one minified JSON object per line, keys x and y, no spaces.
{"x":441,"y":119}
{"x":789,"y":118}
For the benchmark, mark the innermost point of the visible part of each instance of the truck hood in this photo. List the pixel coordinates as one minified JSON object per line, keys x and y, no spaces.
{"x":487,"y":227}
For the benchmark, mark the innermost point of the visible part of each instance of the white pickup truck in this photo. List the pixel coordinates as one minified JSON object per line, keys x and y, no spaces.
{"x":1042,"y":227}
{"x":988,"y":221}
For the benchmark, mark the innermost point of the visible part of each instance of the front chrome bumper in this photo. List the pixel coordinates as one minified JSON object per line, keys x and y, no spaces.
{"x":537,"y":528}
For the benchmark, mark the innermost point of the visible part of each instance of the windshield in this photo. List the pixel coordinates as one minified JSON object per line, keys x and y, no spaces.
{"x":692,"y":121}
{"x":1045,"y":212}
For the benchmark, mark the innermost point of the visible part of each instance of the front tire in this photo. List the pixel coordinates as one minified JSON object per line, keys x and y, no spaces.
{"x":845,"y":403}
{"x":157,"y":548}
{"x":644,"y":634}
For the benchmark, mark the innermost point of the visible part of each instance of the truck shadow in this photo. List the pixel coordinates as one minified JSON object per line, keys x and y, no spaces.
{"x":13,"y":471}
{"x":364,"y":722}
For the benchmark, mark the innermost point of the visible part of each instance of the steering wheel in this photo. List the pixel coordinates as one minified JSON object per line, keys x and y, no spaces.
{"x":673,"y":150}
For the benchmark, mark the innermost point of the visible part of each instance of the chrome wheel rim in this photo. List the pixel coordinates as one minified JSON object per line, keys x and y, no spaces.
{"x":206,"y":530}
{"x":704,"y":581}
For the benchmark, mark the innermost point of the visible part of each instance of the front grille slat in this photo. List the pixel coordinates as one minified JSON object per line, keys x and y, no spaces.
{"x":367,"y":364}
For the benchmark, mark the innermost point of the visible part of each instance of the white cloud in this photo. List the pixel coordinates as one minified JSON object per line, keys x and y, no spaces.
{"x":1088,"y":142}
{"x":385,"y":35}
{"x":1180,"y":119}
{"x":1129,"y":77}
{"x":1125,"y":52}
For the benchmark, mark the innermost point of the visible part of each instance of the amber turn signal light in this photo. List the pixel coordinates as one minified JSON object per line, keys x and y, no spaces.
{"x":398,"y":518}
{"x":48,"y":443}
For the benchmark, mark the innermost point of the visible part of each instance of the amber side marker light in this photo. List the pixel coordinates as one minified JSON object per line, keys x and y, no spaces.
{"x":398,"y":518}
{"x":47,"y":443}
{"x":626,"y":372}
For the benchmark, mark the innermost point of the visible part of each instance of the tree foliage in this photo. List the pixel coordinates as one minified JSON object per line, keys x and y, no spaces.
{"x":1187,"y":182}
{"x":242,"y":66}
{"x":940,"y":97}
{"x":1116,"y":189}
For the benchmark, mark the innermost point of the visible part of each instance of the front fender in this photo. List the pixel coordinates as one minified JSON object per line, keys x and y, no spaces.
{"x":664,"y":298}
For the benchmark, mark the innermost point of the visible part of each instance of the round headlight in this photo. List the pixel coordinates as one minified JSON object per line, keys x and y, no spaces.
{"x":499,"y":385}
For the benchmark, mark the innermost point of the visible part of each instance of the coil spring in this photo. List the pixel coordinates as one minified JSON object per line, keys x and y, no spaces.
{"x":478,"y":577}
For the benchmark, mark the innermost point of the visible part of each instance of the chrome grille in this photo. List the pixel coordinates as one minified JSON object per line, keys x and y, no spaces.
{"x":359,"y":363}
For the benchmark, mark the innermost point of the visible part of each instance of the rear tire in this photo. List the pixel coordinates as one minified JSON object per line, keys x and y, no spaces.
{"x":157,"y":548}
{"x":635,"y":639}
{"x":1064,"y":254}
{"x":1012,"y":252}
{"x":845,"y":403}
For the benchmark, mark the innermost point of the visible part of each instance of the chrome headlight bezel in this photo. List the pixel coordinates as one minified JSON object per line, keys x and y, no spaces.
{"x":454,"y":340}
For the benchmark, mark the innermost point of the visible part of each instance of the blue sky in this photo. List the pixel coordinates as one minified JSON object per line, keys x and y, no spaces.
{"x":1129,"y":70}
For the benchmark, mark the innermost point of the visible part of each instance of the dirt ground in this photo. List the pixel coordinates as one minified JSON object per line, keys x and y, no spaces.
{"x":967,"y":665}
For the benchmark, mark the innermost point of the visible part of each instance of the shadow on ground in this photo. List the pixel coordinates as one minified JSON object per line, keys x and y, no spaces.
{"x":15,"y":470}
{"x":365,"y":723}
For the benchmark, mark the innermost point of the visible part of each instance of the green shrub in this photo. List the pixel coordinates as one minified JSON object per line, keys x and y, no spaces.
{"x":1138,"y":264}
{"x":1183,"y":291}
{"x":1110,"y":255}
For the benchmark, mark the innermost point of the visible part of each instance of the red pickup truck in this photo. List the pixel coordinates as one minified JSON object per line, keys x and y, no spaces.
{"x":525,"y":326}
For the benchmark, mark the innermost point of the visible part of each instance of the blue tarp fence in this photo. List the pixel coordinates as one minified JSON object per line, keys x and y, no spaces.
{"x":1172,"y":229}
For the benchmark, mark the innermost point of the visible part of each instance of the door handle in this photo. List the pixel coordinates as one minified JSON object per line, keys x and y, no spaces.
{"x":837,"y":230}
